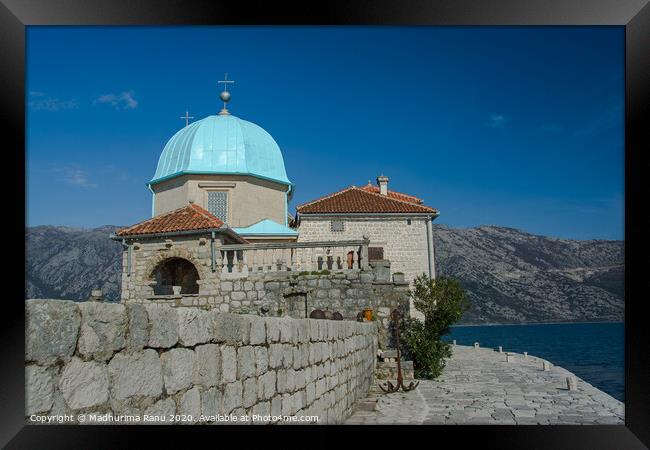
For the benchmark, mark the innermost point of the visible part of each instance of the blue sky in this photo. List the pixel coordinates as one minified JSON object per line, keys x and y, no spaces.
{"x":513,"y":126}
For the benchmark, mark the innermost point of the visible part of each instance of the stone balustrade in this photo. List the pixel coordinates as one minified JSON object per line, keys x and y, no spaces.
{"x":240,"y":260}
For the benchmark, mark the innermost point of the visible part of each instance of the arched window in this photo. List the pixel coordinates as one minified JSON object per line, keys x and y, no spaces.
{"x":175,"y":272}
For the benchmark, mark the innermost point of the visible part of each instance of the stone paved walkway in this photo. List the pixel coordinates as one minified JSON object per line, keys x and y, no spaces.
{"x":478,"y":386}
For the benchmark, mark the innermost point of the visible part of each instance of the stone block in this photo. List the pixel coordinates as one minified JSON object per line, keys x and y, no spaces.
{"x":334,"y":293}
{"x":84,"y":384}
{"x":260,"y":413}
{"x":287,"y":355}
{"x":300,"y":379}
{"x":232,"y":396}
{"x":276,"y":405}
{"x":321,"y":387}
{"x":246,"y":362}
{"x":194,"y":326}
{"x":51,"y":330}
{"x":258,"y":330}
{"x":207,"y":370}
{"x":291,"y":380}
{"x":190,"y":405}
{"x":266,"y":385}
{"x":103,"y":329}
{"x":162,"y":408}
{"x":136,"y":374}
{"x":261,"y":360}
{"x":163,"y":326}
{"x":178,"y":368}
{"x":296,"y":357}
{"x":228,"y":364}
{"x":313,"y":330}
{"x":250,"y":392}
{"x":211,"y":402}
{"x":304,"y":331}
{"x":137,"y":334}
{"x":231,"y":328}
{"x":286,"y":335}
{"x":276,"y":354}
{"x":226,"y":286}
{"x":272,"y":329}
{"x":39,"y":390}
{"x":238,"y":296}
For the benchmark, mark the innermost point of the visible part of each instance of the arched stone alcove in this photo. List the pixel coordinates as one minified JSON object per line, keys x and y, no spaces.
{"x":175,"y":271}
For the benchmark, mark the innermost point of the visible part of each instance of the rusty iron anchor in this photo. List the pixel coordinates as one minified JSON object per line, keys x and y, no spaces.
{"x":390,"y":388}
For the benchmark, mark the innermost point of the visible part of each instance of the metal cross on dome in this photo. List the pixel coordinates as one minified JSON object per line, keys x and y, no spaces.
{"x":225,"y":95}
{"x":225,"y":82}
{"x":187,"y":117}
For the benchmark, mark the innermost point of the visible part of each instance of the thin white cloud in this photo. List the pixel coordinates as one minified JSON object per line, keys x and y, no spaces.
{"x":123,"y":100}
{"x":116,"y":173}
{"x":39,"y":101}
{"x":497,"y":120}
{"x":73,"y":174}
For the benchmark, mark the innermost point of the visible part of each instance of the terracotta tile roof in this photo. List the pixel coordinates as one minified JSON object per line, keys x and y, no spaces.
{"x":396,"y":195}
{"x":190,"y":217}
{"x":360,"y":200}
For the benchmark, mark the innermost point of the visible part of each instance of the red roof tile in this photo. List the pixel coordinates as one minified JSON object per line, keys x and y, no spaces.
{"x":190,"y":217}
{"x":360,"y":200}
{"x":396,"y":195}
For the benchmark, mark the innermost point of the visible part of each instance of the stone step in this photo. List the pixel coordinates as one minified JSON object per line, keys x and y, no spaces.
{"x":384,"y":354}
{"x":366,"y":404}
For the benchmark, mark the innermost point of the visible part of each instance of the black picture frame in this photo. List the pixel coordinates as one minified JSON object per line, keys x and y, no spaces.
{"x":634,"y":15}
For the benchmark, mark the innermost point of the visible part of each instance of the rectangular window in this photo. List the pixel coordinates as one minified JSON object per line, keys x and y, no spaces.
{"x":337,"y":225}
{"x":408,"y":221}
{"x":218,"y":204}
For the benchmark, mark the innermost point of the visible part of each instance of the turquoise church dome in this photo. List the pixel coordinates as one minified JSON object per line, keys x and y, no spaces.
{"x":222,"y":144}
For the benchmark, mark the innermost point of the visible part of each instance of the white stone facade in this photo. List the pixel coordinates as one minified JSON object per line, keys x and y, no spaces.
{"x":405,"y":246}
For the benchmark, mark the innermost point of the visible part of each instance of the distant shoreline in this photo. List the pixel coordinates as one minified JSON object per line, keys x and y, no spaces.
{"x":532,"y":323}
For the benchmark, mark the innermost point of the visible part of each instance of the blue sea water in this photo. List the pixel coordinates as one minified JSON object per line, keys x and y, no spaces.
{"x":593,"y":351}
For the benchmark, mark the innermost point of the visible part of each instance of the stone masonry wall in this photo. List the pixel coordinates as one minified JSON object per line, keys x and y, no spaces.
{"x":106,"y":360}
{"x":348,"y":293}
{"x":145,"y":255}
{"x":284,"y":294}
{"x":405,"y":246}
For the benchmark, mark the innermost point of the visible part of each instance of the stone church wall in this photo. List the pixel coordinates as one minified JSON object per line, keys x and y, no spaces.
{"x":405,"y":246}
{"x":145,"y":255}
{"x":108,"y":360}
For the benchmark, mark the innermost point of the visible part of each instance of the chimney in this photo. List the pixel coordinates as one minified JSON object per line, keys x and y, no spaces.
{"x":382,"y":182}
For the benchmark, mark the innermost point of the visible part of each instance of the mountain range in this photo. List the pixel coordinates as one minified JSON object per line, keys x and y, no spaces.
{"x":510,"y":276}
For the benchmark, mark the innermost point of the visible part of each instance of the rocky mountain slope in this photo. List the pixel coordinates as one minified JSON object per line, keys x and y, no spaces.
{"x":510,"y":276}
{"x":67,"y":262}
{"x":514,"y":277}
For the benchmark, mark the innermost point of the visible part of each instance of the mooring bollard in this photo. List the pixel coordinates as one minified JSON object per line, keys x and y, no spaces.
{"x":509,"y":357}
{"x":525,"y":355}
{"x":572,"y":383}
{"x":454,"y":341}
{"x":500,"y":349}
{"x":475,"y":344}
{"x":545,"y":366}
